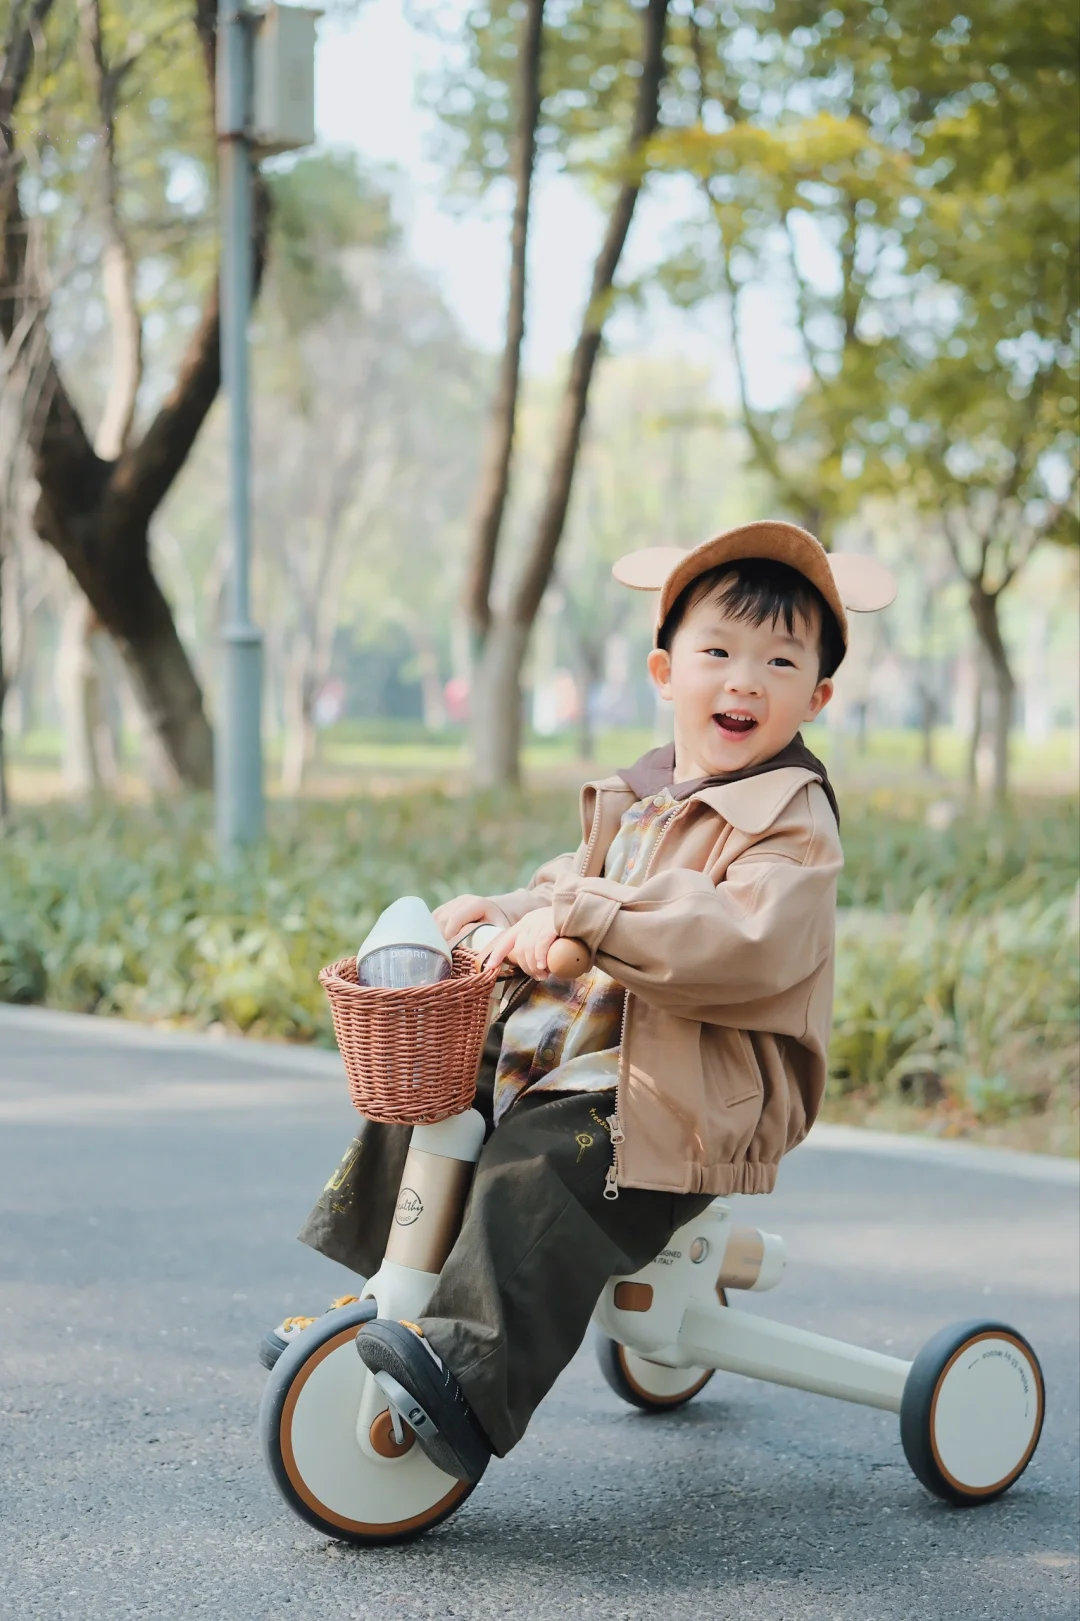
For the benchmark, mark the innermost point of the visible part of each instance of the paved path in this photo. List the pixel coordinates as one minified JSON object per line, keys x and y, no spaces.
{"x":149,"y":1191}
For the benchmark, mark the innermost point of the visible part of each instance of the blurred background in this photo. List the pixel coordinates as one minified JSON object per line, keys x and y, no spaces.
{"x":556,"y":281}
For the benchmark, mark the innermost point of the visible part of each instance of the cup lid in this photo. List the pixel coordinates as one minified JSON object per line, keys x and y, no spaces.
{"x":407,"y":922}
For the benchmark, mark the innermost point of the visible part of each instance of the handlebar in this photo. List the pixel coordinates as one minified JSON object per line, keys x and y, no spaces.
{"x":567,"y":958}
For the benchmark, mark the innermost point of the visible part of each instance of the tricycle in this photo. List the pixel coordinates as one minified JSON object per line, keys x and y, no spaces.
{"x":340,"y":1442}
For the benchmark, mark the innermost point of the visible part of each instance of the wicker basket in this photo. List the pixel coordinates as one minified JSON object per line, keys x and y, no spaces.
{"x":411,"y":1055}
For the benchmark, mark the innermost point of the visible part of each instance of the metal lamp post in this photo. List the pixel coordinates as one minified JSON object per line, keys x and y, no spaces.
{"x":265,"y":104}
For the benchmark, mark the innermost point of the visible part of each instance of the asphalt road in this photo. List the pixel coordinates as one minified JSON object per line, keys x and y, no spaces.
{"x":149,"y":1193}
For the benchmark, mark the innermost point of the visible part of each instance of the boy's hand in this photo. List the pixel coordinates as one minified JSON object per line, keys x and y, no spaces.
{"x":453,"y":917}
{"x":526,"y":943}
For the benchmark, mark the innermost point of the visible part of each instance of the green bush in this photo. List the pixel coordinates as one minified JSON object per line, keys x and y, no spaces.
{"x":974,"y":1013}
{"x":956,"y":978}
{"x":22,"y":970}
{"x":898,"y":846}
{"x":130,"y":911}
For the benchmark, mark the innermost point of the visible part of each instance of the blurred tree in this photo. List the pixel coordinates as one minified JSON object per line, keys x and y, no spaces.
{"x":782,"y":201}
{"x":984,"y":398}
{"x":599,"y":102}
{"x":366,"y":397}
{"x":106,"y":185}
{"x":907,"y":178}
{"x":493,"y":486}
{"x":655,"y":466}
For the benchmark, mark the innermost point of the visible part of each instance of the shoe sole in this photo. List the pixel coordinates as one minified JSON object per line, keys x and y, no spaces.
{"x":442,"y":1424}
{"x":271,"y":1347}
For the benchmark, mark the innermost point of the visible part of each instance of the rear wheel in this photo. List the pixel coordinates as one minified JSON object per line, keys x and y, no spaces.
{"x":308,"y":1425}
{"x":651,"y":1386}
{"x":972,"y":1411}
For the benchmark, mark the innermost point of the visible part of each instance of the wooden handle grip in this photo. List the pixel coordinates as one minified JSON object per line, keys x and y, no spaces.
{"x":566,"y":959}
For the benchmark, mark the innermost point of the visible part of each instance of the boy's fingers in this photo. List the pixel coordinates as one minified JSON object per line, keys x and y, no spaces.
{"x":543,"y":946}
{"x":499,"y":949}
{"x":452,"y":916}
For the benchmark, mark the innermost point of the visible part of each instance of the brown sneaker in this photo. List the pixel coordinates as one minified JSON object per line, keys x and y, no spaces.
{"x":278,"y":1339}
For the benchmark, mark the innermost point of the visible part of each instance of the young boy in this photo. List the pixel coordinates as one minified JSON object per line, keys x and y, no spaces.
{"x":692,"y":1054}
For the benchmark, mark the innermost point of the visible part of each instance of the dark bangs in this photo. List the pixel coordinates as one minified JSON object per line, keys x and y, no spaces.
{"x":756,"y":590}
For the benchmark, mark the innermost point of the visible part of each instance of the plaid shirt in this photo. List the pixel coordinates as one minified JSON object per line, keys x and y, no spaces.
{"x":565,"y":1037}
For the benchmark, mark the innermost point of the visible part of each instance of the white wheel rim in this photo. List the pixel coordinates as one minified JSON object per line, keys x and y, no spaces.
{"x":654,"y":1380}
{"x":986,"y":1414}
{"x":325,"y":1464}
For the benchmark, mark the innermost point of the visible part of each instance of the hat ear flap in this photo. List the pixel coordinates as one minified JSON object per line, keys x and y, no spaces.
{"x":647,"y":569}
{"x":863,"y":584}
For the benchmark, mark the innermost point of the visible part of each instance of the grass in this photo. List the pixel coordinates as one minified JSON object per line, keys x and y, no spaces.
{"x":379,"y":754}
{"x":957,"y":983}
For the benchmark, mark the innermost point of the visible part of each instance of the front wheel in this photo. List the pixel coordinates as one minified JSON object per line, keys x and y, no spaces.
{"x":308,"y":1426}
{"x":972,"y":1411}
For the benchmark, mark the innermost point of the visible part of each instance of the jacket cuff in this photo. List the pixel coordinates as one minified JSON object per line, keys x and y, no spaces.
{"x":581,"y":915}
{"x":516,"y":902}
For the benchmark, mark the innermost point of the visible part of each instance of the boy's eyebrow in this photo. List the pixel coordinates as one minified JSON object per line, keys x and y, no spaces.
{"x":719,"y":625}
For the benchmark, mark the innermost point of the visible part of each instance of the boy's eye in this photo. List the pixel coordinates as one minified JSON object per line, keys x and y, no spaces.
{"x":781,"y":660}
{"x":718,"y":652}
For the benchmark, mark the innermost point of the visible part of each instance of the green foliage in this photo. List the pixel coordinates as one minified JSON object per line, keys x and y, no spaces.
{"x":323,"y":204}
{"x":132,"y":914}
{"x":894,"y":853}
{"x":973,"y":1013}
{"x":777,"y":193}
{"x":957,"y":970}
{"x":590,"y":60}
{"x":910,"y":175}
{"x":165,"y":167}
{"x":22,"y":970}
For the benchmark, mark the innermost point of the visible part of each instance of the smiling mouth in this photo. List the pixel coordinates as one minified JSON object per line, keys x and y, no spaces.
{"x":735,"y":724}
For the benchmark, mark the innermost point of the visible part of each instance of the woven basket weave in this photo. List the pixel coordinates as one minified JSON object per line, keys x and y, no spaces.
{"x":411,"y":1056}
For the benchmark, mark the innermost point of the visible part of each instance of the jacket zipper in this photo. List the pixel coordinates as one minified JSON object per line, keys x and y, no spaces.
{"x":618,"y":1136}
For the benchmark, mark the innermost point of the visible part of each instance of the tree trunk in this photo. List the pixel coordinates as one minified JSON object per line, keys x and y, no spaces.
{"x":497,"y":703}
{"x":116,"y":577}
{"x":532,"y":582}
{"x":928,"y":718}
{"x":984,"y":610}
{"x":975,"y":738}
{"x":663,"y":722}
{"x":587,"y":679}
{"x":928,"y":705}
{"x":4,"y":802}
{"x":89,"y":748}
{"x":94,"y":511}
{"x":494,"y":482}
{"x":157,"y":770}
{"x":431,"y":690}
{"x":298,"y":732}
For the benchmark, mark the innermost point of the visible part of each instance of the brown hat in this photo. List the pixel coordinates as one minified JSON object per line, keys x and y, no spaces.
{"x":847,"y":580}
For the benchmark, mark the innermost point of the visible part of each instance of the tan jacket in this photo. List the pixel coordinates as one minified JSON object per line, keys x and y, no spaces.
{"x":726,"y":950}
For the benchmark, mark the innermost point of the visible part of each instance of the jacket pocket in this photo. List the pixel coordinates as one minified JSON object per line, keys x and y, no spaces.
{"x":729,"y":1065}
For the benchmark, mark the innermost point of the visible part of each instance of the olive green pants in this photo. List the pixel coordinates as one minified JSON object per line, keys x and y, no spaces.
{"x":537,"y":1243}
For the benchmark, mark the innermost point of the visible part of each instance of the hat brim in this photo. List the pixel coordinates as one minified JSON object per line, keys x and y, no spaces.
{"x":846,"y":580}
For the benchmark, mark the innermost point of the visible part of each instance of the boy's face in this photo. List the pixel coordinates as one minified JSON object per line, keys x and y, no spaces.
{"x":740,"y":691}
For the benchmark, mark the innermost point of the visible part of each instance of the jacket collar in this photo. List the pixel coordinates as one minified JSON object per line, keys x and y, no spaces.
{"x":750,"y":801}
{"x":656,"y":770}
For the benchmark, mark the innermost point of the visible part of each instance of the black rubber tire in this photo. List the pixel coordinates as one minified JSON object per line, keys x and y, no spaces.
{"x":609,"y":1354}
{"x":343,"y":1319}
{"x":917,"y":1406}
